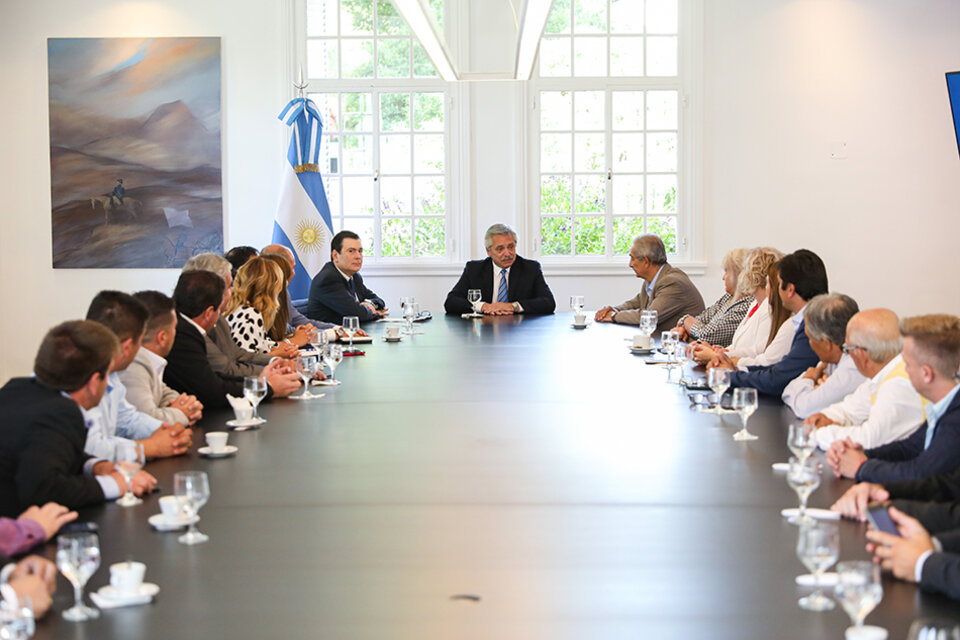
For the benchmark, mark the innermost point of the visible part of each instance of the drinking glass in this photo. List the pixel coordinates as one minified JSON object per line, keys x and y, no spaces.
{"x":332,"y":355}
{"x":801,"y":440}
{"x":254,"y":390}
{"x":648,"y":322}
{"x":78,"y":558}
{"x":16,"y":616}
{"x":685,"y":360}
{"x":193,"y":489}
{"x":576,"y":303}
{"x":351,"y":324}
{"x":668,"y":344}
{"x":409,"y":314}
{"x":307,"y":368}
{"x":818,"y":548}
{"x":803,"y":476}
{"x":473,"y":297}
{"x":933,"y":629}
{"x":128,"y":469}
{"x":719,"y":381}
{"x":317,"y":339}
{"x":414,"y":314}
{"x":744,"y":403}
{"x":858,"y":589}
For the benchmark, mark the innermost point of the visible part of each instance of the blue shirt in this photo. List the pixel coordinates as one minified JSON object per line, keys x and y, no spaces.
{"x":649,"y":285}
{"x":114,"y":424}
{"x":935,"y":410}
{"x":111,"y":490}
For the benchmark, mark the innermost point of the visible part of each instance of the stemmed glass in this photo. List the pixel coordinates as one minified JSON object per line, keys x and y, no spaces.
{"x":351,"y":324}
{"x":648,"y":322}
{"x":818,"y":548}
{"x":685,"y":360}
{"x":317,"y":339}
{"x":78,"y":558}
{"x":254,"y":390}
{"x":16,"y":615}
{"x":801,"y":440}
{"x":803,"y":476}
{"x":193,"y":489}
{"x":473,"y":297}
{"x":576,"y":303}
{"x":718,"y":380}
{"x":744,"y":403}
{"x":858,"y":589}
{"x":332,"y":355}
{"x":128,"y":469}
{"x":307,"y":368}
{"x":668,"y":344}
{"x":933,"y":629}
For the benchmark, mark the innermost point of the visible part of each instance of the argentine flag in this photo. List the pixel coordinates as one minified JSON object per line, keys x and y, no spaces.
{"x":303,"y":220}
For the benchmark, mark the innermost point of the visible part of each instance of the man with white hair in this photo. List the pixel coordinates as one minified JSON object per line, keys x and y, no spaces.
{"x":508,"y":283}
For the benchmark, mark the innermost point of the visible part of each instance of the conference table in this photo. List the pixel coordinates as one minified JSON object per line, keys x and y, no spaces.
{"x":500,"y":478}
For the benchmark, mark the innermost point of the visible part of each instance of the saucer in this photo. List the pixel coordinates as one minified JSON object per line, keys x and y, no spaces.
{"x":324,"y":383}
{"x":579,"y":326}
{"x":228,"y":450}
{"x":639,"y":351}
{"x":246,"y":424}
{"x":387,"y":339}
{"x":158,"y":522}
{"x":112,"y":596}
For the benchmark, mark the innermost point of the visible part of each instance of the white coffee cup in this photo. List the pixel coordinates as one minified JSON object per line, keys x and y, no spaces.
{"x":579,"y":319}
{"x":217,"y":440}
{"x":244,"y":415}
{"x":126,"y":577}
{"x":172,"y":508}
{"x":393,"y":332}
{"x":641,"y":341}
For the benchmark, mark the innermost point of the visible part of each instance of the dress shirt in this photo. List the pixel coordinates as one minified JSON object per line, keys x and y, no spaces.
{"x":146,"y":390}
{"x":773,"y":352}
{"x":804,"y":399}
{"x":918,"y":568}
{"x":116,"y":424}
{"x":18,"y":536}
{"x":750,"y":338}
{"x":202,"y":331}
{"x":496,"y":288}
{"x":883,"y":409}
{"x":109,"y":486}
{"x":649,"y":285}
{"x":934,"y":411}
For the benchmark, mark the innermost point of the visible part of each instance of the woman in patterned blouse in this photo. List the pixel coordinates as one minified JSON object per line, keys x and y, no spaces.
{"x":717,"y":323}
{"x":254,"y":304}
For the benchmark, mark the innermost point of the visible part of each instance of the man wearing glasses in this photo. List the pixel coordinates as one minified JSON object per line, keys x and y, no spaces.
{"x":885,"y":407}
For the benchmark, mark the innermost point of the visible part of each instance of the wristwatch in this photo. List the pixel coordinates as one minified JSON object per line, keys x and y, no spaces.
{"x":516,"y":307}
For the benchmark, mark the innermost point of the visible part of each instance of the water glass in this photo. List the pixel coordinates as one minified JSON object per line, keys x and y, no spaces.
{"x":332,"y":355}
{"x":933,"y":629}
{"x":193,"y":490}
{"x":254,"y":390}
{"x":410,"y":311}
{"x":128,"y":469}
{"x":78,"y":558}
{"x":803,"y":476}
{"x":307,"y":368}
{"x":16,"y":616}
{"x":473,"y":297}
{"x":802,"y":440}
{"x":648,"y":321}
{"x":858,"y":589}
{"x":719,"y":381}
{"x":818,"y":547}
{"x":351,"y":324}
{"x":744,"y":403}
{"x":668,"y":344}
{"x":576,"y":304}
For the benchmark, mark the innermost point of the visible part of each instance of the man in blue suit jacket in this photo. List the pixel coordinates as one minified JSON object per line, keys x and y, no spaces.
{"x":802,"y":277}
{"x":338,"y":290}
{"x":515,"y":286}
{"x":931,"y":353}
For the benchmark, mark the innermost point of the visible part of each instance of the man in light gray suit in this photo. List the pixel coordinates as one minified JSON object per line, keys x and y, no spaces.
{"x":144,"y":377}
{"x":666,"y":290}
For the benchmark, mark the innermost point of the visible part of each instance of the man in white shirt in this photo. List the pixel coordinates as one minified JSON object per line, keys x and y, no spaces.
{"x":886,"y":407}
{"x":144,"y":377}
{"x":836,"y":375}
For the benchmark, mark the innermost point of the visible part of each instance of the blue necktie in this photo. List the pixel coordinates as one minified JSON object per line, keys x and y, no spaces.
{"x":502,"y":290}
{"x":351,"y":288}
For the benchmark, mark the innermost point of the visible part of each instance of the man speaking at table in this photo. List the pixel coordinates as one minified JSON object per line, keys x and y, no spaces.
{"x":516,"y":285}
{"x":338,"y":291}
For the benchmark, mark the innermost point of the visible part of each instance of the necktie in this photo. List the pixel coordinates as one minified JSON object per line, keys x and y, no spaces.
{"x":351,"y":288}
{"x":502,"y":290}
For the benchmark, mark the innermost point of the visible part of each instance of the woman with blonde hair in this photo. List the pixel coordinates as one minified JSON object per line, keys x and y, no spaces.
{"x":717,"y":323}
{"x":760,"y":338}
{"x":254,"y":304}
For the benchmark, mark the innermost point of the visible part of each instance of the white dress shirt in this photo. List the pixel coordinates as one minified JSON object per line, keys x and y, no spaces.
{"x":750,"y":338}
{"x":496,"y":288}
{"x":775,"y":351}
{"x":805,"y":400}
{"x":114,"y":424}
{"x":895,"y":413}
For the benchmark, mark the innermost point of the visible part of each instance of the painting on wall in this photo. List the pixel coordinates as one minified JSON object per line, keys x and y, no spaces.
{"x":134,"y":151}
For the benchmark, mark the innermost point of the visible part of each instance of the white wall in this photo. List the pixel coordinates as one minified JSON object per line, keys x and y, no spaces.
{"x":784,"y":79}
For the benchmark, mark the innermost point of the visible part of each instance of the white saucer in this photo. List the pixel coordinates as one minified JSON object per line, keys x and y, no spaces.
{"x":158,"y":522}
{"x":819,"y":514}
{"x":639,"y":351}
{"x":386,"y":339}
{"x":826,"y":580}
{"x":579,"y":326}
{"x":228,"y":450}
{"x":246,"y":424}
{"x":111,"y":593}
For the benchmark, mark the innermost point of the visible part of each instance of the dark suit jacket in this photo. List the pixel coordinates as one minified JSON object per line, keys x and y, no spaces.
{"x":189,"y":371}
{"x":907,"y":460}
{"x":330,"y":299}
{"x":773,"y":379}
{"x":525,"y":285}
{"x":41,"y":449}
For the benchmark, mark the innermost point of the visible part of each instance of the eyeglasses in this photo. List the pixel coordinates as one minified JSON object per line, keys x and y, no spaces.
{"x":850,"y":348}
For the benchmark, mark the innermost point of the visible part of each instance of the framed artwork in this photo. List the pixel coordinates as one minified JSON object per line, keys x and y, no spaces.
{"x":135,"y":165}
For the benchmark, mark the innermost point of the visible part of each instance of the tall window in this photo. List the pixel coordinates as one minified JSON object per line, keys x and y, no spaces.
{"x":608,"y":123}
{"x":385,"y":136}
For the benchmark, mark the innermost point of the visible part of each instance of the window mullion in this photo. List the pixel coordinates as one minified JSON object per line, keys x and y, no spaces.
{"x":375,"y":131}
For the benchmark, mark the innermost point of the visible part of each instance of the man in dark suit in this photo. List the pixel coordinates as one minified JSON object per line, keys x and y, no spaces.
{"x":43,"y":431}
{"x":803,"y":276}
{"x":931,"y":353}
{"x":198,"y":297}
{"x":337,"y":291}
{"x":515,"y":286}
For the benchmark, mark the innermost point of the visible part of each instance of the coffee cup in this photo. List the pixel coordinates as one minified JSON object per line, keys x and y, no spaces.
{"x":393,"y":332}
{"x":172,"y":508}
{"x":217,"y":440}
{"x":244,"y":414}
{"x":641,"y":341}
{"x":126,"y":577}
{"x":579,"y":319}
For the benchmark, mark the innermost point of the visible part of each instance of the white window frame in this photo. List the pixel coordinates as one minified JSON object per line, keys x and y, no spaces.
{"x":455,"y":126}
{"x":689,"y":84}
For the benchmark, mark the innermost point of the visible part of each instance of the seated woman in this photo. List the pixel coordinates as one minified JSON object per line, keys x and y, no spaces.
{"x":253,"y":307}
{"x":717,"y":323}
{"x":281,"y":329}
{"x":761,"y":338}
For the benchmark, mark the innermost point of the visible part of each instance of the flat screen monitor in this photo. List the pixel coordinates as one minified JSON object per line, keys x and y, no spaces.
{"x":953,"y":89}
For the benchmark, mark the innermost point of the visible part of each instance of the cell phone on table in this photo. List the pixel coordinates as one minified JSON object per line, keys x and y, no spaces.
{"x":699,"y":384}
{"x":878,"y":514}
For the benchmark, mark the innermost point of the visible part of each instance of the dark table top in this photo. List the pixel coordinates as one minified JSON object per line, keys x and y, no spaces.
{"x":542,"y":469}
